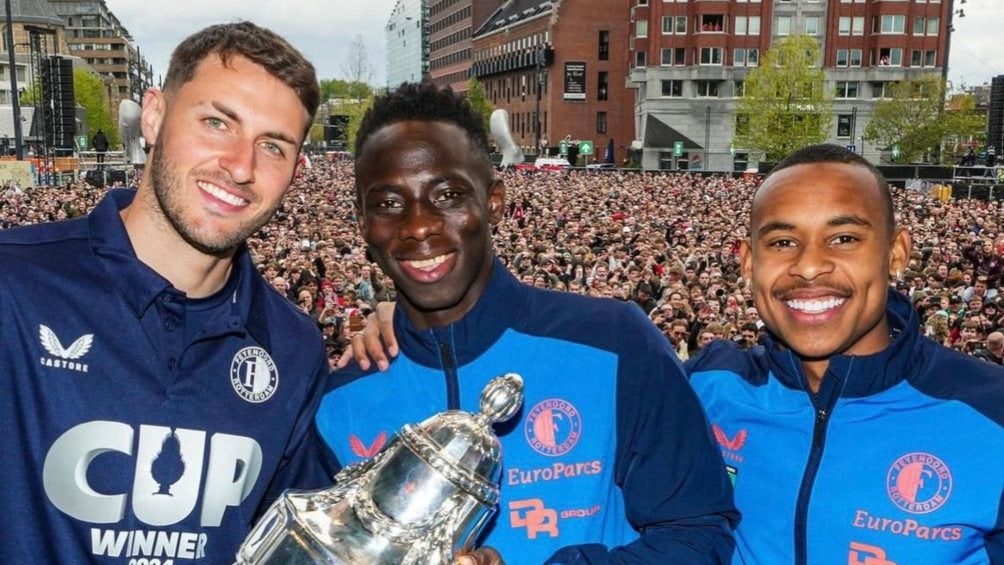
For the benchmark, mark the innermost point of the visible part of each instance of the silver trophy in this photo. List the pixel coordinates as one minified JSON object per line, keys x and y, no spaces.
{"x":425,"y":495}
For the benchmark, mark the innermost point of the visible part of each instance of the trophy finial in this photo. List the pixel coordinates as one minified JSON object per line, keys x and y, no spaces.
{"x":501,"y":398}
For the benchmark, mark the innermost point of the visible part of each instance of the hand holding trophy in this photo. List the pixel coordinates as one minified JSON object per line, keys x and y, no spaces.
{"x":425,"y":495}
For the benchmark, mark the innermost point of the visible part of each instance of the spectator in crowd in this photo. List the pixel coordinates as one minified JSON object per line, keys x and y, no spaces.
{"x":428,"y":201}
{"x":141,"y":375}
{"x":846,"y":366}
{"x":100,"y":144}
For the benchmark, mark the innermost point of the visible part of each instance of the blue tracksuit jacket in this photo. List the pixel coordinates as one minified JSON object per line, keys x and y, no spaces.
{"x":899,"y":458}
{"x":610,"y":443}
{"x":121,"y":440}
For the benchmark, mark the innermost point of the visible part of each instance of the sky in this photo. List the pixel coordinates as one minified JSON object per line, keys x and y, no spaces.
{"x":323,"y":30}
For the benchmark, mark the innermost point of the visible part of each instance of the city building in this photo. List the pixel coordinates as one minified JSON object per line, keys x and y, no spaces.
{"x":451,"y":24}
{"x":407,"y":39}
{"x":688,"y":60}
{"x":96,"y":36}
{"x":559,"y":69}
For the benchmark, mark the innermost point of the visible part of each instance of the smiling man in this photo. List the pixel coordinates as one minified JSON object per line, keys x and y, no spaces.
{"x":158,"y":393}
{"x":610,"y":459}
{"x":851,"y":438}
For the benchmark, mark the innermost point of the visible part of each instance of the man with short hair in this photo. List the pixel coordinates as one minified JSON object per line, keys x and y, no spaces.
{"x":158,"y":393}
{"x":610,"y":460}
{"x":850,"y":436}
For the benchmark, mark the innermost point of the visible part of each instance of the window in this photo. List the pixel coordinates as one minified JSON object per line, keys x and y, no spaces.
{"x":604,"y":53}
{"x":602,"y":88}
{"x":674,"y":24}
{"x":844,"y":25}
{"x":889,"y":24}
{"x":745,"y":57}
{"x":930,"y":58}
{"x":747,"y":25}
{"x":846,"y":89}
{"x":855,"y":57}
{"x":858,"y":25}
{"x":932,"y":26}
{"x":891,"y":57}
{"x":680,"y":56}
{"x":784,"y":25}
{"x":739,"y":89}
{"x":711,"y":55}
{"x":812,"y":25}
{"x":672,"y":88}
{"x":925,"y":26}
{"x":707,"y":88}
{"x":842,"y":57}
{"x":641,"y":28}
{"x":639,"y":59}
{"x":666,"y":56}
{"x":712,"y":23}
{"x":882,"y":89}
{"x":601,"y":122}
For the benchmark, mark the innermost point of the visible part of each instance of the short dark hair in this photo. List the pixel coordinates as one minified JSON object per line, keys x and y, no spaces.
{"x":259,"y":45}
{"x":829,"y":153}
{"x":424,"y":102}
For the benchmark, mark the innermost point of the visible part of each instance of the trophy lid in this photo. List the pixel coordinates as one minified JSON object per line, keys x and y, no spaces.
{"x":465,"y":442}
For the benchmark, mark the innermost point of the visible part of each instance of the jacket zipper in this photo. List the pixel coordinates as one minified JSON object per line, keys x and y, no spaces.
{"x":808,"y":480}
{"x":450,"y":371}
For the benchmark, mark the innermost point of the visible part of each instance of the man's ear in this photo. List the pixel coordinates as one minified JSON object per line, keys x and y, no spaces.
{"x":152,"y":115}
{"x":746,"y":258}
{"x":899,"y":251}
{"x":496,"y":201}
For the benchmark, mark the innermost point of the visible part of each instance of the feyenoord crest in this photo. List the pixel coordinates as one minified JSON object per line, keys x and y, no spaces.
{"x":253,"y":374}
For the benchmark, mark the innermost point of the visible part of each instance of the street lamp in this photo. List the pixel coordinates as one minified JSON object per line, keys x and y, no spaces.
{"x":15,"y":103}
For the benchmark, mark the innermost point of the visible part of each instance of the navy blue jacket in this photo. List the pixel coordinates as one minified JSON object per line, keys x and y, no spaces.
{"x":610,"y":444}
{"x":121,"y":441}
{"x":899,"y":458}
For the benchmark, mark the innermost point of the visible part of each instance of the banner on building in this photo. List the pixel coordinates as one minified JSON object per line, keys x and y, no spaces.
{"x":575,"y":81}
{"x":18,"y":172}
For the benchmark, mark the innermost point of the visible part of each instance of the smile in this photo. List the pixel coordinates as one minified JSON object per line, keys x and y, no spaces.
{"x":427,"y":264}
{"x":815,"y":306}
{"x":221,"y":194}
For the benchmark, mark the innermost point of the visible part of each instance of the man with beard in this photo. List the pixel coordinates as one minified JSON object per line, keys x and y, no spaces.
{"x":851,"y":437}
{"x":610,"y":459}
{"x":157,"y":392}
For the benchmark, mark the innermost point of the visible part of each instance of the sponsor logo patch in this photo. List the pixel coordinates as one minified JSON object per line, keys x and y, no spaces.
{"x":553,"y":427}
{"x":919,"y":483}
{"x":360,"y":449}
{"x":254,"y":375}
{"x":730,"y":445}
{"x":64,"y":357}
{"x":864,"y":554}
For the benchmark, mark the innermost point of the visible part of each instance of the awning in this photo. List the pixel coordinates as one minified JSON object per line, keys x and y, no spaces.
{"x":660,"y":135}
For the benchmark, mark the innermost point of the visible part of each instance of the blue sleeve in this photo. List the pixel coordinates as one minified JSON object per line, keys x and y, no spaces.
{"x":676,"y":491}
{"x":306,"y":464}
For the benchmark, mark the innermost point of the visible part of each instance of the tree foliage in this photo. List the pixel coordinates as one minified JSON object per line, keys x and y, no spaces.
{"x":339,"y":89}
{"x":914,"y":118}
{"x":784,"y":105}
{"x":90,"y":93}
{"x":478,"y":100}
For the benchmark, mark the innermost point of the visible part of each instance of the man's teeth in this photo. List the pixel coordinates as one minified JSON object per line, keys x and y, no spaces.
{"x":815,"y":306}
{"x":222,"y":194}
{"x":427,"y":264}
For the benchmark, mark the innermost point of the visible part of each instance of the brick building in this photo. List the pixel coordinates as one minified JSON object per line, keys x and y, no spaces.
{"x":688,"y":60}
{"x":451,"y":23}
{"x":563,"y":61}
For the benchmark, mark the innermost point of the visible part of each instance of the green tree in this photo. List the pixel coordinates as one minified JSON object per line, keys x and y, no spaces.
{"x":355,"y":111}
{"x":962,"y":124}
{"x":913,"y":117}
{"x":90,"y":93}
{"x":478,"y":100}
{"x":784,"y":105}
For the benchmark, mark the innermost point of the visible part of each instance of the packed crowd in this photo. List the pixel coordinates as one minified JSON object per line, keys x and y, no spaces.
{"x":669,"y":242}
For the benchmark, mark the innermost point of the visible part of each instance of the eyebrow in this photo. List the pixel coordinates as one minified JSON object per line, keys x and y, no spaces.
{"x":836,"y":221}
{"x":230,"y":113}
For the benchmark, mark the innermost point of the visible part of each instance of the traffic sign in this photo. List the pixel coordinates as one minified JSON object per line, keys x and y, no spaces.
{"x":677,"y":148}
{"x":852,"y":148}
{"x":585,"y":147}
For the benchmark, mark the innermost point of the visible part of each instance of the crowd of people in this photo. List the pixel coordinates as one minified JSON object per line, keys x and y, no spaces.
{"x":667,"y":241}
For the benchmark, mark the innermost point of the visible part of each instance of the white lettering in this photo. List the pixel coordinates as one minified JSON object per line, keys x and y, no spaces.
{"x":64,"y":473}
{"x":223,"y":488}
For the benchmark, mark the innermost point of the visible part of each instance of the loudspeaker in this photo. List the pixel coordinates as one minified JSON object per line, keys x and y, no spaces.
{"x":336,"y":131}
{"x":58,"y":103}
{"x":995,"y":118}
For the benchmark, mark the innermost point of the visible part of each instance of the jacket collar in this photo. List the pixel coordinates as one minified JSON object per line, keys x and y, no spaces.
{"x":139,"y":285}
{"x":861,"y":375}
{"x":498,"y":308}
